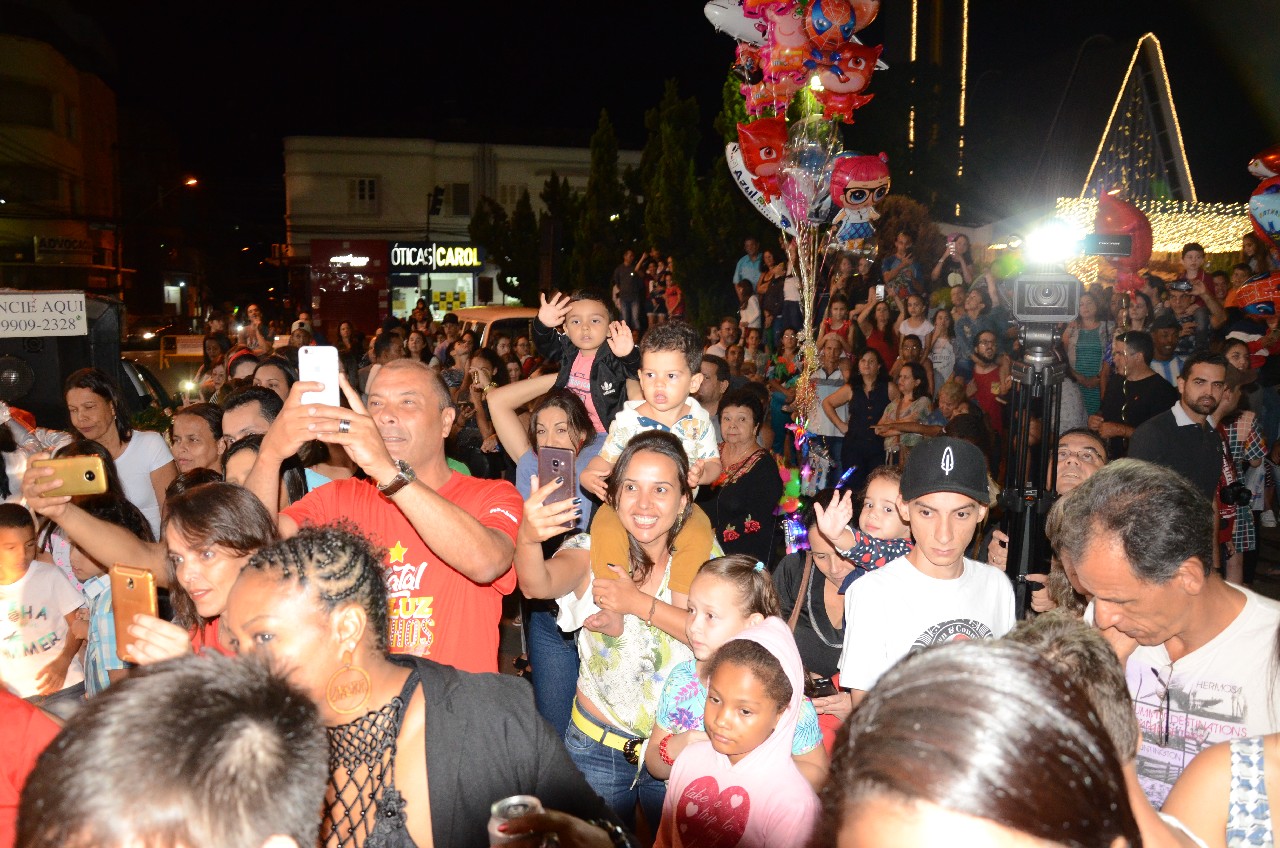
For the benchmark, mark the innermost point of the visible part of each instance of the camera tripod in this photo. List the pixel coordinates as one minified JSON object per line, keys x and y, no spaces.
{"x":1030,"y":475}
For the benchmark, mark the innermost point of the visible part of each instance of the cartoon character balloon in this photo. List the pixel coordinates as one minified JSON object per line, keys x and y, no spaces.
{"x":1264,"y":203}
{"x":786,"y":45}
{"x":829,"y":23}
{"x":1116,"y":217}
{"x":844,"y":76}
{"x":729,"y":17}
{"x":762,"y":143}
{"x":1257,"y":295}
{"x":1266,"y":164}
{"x":858,"y":182}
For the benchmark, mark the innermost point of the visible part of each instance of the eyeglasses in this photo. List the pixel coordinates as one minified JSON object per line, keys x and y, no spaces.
{"x":1088,"y":456}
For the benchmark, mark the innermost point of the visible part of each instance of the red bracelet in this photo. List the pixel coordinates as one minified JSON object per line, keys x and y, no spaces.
{"x":662,"y":751}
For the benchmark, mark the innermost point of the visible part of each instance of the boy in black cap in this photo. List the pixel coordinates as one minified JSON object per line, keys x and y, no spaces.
{"x":933,"y":594}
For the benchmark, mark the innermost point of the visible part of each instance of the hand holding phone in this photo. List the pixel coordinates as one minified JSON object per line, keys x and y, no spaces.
{"x":880,"y":292}
{"x":133,"y":591}
{"x":80,"y":475}
{"x":319,"y":364}
{"x":556,"y":463}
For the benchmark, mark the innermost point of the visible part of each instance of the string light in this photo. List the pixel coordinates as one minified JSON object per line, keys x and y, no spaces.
{"x":1136,"y":147}
{"x":964,"y":81}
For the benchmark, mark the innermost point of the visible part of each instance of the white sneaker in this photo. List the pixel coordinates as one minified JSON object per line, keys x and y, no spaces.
{"x":1268,"y":518}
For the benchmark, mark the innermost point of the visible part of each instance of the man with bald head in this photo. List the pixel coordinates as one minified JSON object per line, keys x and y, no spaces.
{"x":450,"y":539}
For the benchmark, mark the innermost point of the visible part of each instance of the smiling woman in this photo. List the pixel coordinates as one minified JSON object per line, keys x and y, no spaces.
{"x":621,"y":678}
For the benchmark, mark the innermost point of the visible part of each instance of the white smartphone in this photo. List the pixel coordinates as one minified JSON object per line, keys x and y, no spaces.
{"x":879,"y":292}
{"x":319,"y":364}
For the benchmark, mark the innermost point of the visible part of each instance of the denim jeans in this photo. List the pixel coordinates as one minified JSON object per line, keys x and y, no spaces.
{"x":553,"y":656}
{"x":615,"y":780}
{"x":64,"y":703}
{"x":631,"y":312}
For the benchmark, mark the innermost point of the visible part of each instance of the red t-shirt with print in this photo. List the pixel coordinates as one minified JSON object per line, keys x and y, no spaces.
{"x":434,"y":611}
{"x":24,"y":733}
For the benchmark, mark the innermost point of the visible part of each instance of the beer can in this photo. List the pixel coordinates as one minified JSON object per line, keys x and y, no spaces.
{"x":507,"y":809}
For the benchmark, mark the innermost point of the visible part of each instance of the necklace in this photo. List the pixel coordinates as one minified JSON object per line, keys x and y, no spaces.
{"x":813,"y":621}
{"x":362,"y":775}
{"x":736,"y":468}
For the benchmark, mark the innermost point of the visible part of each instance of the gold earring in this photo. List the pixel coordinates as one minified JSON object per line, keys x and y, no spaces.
{"x":348,"y":688}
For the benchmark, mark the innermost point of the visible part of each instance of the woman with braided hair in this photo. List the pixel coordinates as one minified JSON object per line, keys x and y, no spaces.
{"x":316,"y":606}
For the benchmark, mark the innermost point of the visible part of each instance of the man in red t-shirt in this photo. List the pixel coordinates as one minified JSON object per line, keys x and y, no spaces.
{"x":450,"y":539}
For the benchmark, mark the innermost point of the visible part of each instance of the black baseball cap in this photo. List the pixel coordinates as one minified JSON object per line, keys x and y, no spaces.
{"x":1165,"y":320}
{"x":944,"y":464}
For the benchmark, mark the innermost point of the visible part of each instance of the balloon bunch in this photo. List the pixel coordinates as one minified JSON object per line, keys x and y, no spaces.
{"x":1116,"y":217}
{"x":798,"y":175}
{"x":784,"y":45}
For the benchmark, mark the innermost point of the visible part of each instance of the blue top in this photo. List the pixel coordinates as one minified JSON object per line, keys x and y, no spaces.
{"x":684,"y":702}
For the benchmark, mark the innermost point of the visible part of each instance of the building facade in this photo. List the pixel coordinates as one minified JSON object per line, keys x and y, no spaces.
{"x":58,"y":173}
{"x":363,"y":238}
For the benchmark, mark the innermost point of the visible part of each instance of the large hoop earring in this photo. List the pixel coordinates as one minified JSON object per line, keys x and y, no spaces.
{"x":347,"y":683}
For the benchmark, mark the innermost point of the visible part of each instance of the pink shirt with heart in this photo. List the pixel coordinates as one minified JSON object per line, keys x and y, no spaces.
{"x":763,"y":800}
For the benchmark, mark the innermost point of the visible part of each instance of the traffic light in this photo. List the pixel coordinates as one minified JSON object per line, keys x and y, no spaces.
{"x":437,"y":201}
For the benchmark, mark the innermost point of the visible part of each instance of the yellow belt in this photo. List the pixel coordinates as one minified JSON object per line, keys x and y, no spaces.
{"x":629,"y":746}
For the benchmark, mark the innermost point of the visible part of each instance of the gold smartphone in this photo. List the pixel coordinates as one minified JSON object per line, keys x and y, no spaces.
{"x":80,"y":475}
{"x":133,"y":590}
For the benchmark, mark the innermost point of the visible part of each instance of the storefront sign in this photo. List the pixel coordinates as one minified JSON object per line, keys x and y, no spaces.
{"x":58,"y":313}
{"x":61,"y":248}
{"x":433,"y":256}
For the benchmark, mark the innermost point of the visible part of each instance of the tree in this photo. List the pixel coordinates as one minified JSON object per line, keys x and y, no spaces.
{"x":491,"y":229}
{"x":902,"y":214}
{"x":523,"y":267}
{"x":597,"y":239}
{"x":556,"y":227}
{"x":666,"y":166}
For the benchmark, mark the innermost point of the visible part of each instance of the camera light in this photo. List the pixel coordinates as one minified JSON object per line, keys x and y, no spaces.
{"x":1052,"y":243}
{"x":188,"y":386}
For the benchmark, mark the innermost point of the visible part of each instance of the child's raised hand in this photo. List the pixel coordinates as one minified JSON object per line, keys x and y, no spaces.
{"x":695,"y":472}
{"x":834,"y":520}
{"x":591,"y":480}
{"x":621,"y":342}
{"x":552,"y":312}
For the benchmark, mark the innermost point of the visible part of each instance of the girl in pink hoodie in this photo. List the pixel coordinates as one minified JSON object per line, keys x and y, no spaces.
{"x":741,"y":788}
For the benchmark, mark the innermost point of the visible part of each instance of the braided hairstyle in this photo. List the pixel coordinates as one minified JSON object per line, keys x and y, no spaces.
{"x":341,"y":565}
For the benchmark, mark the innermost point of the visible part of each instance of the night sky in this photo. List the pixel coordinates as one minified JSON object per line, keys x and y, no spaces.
{"x":232,"y":79}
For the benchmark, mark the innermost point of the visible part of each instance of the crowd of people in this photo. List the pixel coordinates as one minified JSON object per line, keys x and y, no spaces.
{"x":703,"y":669}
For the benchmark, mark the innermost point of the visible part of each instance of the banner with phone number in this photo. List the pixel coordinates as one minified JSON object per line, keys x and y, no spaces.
{"x":26,"y":314}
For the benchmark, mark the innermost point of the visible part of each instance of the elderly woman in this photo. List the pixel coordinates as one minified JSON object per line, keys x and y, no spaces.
{"x":620,"y":679}
{"x":743,"y":498}
{"x":418,"y":750}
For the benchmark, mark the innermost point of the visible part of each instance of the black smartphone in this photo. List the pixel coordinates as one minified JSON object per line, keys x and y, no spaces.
{"x":822,"y":687}
{"x":558,"y":462}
